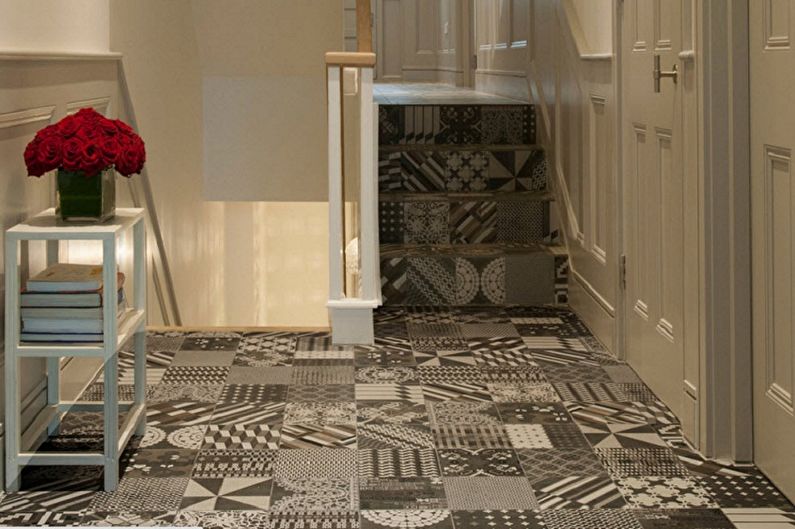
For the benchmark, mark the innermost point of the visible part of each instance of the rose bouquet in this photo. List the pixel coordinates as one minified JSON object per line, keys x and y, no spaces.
{"x":86,"y":142}
{"x":86,"y":149}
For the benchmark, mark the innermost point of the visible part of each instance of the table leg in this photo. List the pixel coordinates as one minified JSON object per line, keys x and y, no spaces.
{"x":54,"y":391}
{"x":12,"y":404}
{"x":140,"y":377}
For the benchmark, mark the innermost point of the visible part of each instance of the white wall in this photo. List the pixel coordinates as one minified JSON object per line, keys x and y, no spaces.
{"x":235,"y":263}
{"x":55,"y":25}
{"x":596,"y":20}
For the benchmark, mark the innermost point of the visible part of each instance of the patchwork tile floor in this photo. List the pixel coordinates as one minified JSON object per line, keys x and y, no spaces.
{"x":524,"y":423}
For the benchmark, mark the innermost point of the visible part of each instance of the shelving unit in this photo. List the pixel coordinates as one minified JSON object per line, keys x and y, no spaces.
{"x":117,"y":328}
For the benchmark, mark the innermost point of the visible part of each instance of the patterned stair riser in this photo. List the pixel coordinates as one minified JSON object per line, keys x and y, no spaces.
{"x":470,"y":222}
{"x":492,"y":280}
{"x":461,"y":171}
{"x":457,"y":125}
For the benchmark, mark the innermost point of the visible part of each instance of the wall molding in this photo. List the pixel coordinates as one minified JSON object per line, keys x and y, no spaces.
{"x":25,"y":117}
{"x":37,"y":55}
{"x":591,"y":291}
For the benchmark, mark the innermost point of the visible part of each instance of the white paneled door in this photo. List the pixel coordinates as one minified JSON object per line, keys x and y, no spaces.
{"x":772,"y":62}
{"x":654,"y":197}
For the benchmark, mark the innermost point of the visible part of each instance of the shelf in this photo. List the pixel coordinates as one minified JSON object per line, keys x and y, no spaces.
{"x":129,"y":322}
{"x":47,"y":226}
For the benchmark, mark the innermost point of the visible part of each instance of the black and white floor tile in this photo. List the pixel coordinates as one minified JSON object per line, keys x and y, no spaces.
{"x":522,"y":425}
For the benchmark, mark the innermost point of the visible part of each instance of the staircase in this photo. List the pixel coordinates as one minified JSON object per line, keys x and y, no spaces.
{"x":464,"y":203}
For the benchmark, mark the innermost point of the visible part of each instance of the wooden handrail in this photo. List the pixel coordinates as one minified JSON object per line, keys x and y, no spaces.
{"x":364,"y":31}
{"x":350,"y":58}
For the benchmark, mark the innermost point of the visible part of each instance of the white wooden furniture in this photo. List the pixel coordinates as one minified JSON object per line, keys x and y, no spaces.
{"x":117,"y":328}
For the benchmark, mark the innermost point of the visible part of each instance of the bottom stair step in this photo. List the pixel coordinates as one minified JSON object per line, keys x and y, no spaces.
{"x":475,"y":275}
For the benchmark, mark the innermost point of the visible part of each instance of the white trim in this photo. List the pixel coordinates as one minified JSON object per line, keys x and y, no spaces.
{"x":726,"y":361}
{"x":592,"y":292}
{"x":596,"y":56}
{"x":26,"y":117}
{"x":36,"y":55}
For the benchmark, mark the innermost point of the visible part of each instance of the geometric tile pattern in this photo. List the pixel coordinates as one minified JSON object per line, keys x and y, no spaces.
{"x":319,"y":439}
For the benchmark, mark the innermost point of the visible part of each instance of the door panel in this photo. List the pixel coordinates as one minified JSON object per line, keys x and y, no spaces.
{"x":654,"y":198}
{"x":773,"y":216}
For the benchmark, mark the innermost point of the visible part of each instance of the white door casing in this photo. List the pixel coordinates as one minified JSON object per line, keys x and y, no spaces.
{"x":772,"y":64}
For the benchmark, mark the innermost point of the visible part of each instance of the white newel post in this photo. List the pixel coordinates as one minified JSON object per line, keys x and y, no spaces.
{"x":352,"y":316}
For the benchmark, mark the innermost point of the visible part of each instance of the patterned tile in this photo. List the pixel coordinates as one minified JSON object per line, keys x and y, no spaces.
{"x":423,"y":171}
{"x":622,"y":436}
{"x":522,"y":222}
{"x":313,"y":520}
{"x":525,"y":519}
{"x":234,"y":463}
{"x":291,"y":495}
{"x":331,"y":392}
{"x":592,"y":491}
{"x":184,"y":392}
{"x":590,"y":519}
{"x":523,"y":374}
{"x":684,"y":519}
{"x":459,"y":125}
{"x":305,"y":436}
{"x":387,"y":375}
{"x":128,"y":519}
{"x":509,"y":125}
{"x":315,"y":463}
{"x":461,"y":392}
{"x":397,"y":463}
{"x":227,"y":494}
{"x":388,"y":436}
{"x":323,"y":375}
{"x":489,"y":330}
{"x":429,"y":519}
{"x":473,"y":222}
{"x":466,"y":171}
{"x":656,"y":492}
{"x":554,"y":462}
{"x":41,"y":519}
{"x":533,"y":413}
{"x":202,"y":375}
{"x":471,"y":436}
{"x":46,"y":501}
{"x":187,"y":437}
{"x":569,"y":373}
{"x":391,"y":222}
{"x":385,"y":392}
{"x":743,"y":491}
{"x":244,"y":413}
{"x":438,"y":358}
{"x":154,"y":463}
{"x":600,"y":413}
{"x":253,"y":393}
{"x":179,"y":413}
{"x":492,"y":493}
{"x":242,"y":437}
{"x":211,"y":342}
{"x":224,"y":519}
{"x":487,"y":462}
{"x":592,"y":391}
{"x":629,"y":462}
{"x":523,"y":392}
{"x":431,"y":281}
{"x":764,"y":518}
{"x":528,"y":436}
{"x":427,"y":222}
{"x":401,"y":493}
{"x":260,"y":375}
{"x":203,"y":358}
{"x":321,"y":413}
{"x":142,"y":495}
{"x":463,"y":412}
{"x":391,"y":412}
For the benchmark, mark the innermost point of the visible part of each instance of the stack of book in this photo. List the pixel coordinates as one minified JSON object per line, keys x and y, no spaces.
{"x":64,"y":304}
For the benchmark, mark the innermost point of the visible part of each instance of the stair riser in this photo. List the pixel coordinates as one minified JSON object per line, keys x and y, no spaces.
{"x":461,"y":171}
{"x":464,"y":222}
{"x":457,"y":124}
{"x":520,"y":279}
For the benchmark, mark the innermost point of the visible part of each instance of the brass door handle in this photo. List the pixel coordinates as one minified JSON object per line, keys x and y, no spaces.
{"x":658,"y":74}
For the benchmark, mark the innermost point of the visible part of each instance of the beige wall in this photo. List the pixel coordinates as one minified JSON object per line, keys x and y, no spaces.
{"x":235,"y":263}
{"x":54,"y":25}
{"x":595,"y":17}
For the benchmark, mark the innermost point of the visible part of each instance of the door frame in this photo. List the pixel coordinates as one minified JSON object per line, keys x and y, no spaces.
{"x":720,"y":41}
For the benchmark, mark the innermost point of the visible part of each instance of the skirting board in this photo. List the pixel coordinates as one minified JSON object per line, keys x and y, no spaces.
{"x":601,"y":323}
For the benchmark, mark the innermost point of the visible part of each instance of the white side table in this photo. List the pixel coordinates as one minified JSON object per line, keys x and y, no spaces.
{"x":116,"y":328}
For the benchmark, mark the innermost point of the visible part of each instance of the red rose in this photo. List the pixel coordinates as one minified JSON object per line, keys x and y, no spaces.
{"x":110,"y":150}
{"x":88,"y":132}
{"x":92,"y":158}
{"x":72,"y":155}
{"x":131,"y":160}
{"x":49,"y":152}
{"x":68,"y":127}
{"x":123,"y":127}
{"x":32,"y":159}
{"x":88,"y":114}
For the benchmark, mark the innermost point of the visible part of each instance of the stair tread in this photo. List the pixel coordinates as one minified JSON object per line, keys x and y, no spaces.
{"x":493,"y":147}
{"x":491,"y":196}
{"x":468,"y":250}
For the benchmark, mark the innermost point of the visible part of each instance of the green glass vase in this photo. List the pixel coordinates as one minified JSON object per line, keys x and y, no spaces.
{"x":86,"y":199}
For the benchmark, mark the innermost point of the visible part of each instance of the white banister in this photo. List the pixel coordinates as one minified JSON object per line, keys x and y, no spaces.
{"x":354,"y":274}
